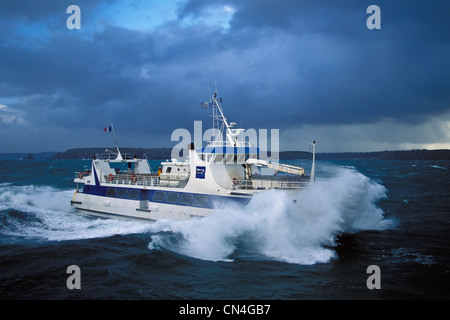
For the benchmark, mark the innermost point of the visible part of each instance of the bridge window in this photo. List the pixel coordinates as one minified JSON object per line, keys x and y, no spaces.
{"x":218,"y":158}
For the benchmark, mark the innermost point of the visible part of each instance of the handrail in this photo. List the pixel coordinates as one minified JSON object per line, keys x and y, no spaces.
{"x":262,"y":184}
{"x":132,"y":179}
{"x":82,"y":174}
{"x":154,"y":180}
{"x":113,"y":156}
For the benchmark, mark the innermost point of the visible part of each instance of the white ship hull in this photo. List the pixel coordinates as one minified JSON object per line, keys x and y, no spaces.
{"x":120,"y":208}
{"x":126,"y":201}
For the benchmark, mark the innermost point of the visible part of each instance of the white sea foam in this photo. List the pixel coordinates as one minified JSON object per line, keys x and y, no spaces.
{"x":274,"y":227}
{"x":47,"y":215}
{"x":271,"y":227}
{"x":437,"y":167}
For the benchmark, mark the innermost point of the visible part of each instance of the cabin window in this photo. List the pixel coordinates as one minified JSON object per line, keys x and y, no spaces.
{"x":200,"y":201}
{"x":133,"y":195}
{"x":186,"y":199}
{"x":241,"y":158}
{"x":168,"y":169}
{"x":110,"y":192}
{"x":172,"y":197}
{"x":159,"y":196}
{"x":230,"y":158}
{"x":122,"y":193}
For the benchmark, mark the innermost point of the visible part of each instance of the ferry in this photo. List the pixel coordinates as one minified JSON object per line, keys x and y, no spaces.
{"x":227,"y":172}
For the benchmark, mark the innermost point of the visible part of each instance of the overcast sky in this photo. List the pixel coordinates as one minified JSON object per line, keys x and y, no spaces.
{"x":311,"y":69}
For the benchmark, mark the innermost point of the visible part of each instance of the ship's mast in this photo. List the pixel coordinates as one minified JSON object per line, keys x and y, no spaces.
{"x":220,"y":124}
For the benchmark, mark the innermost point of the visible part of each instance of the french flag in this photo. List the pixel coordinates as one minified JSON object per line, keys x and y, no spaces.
{"x":108,"y":129}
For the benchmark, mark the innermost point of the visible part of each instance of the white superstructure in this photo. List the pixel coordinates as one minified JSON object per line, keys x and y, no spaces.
{"x":225,"y":171}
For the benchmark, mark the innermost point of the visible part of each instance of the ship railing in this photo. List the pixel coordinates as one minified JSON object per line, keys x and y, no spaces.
{"x":113,"y":156}
{"x":82,"y":174}
{"x":132,"y":179}
{"x":261,"y":184}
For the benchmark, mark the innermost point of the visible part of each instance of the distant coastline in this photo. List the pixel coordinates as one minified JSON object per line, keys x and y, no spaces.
{"x":164,"y":153}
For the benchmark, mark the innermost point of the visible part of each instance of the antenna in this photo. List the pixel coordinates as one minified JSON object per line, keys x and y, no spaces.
{"x":313,"y":168}
{"x":220,"y":123}
{"x":209,"y":90}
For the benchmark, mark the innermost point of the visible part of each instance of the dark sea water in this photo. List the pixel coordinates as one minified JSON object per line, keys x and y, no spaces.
{"x":392,"y":214}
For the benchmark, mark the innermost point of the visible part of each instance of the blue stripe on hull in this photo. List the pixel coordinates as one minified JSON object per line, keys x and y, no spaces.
{"x":174,"y":197}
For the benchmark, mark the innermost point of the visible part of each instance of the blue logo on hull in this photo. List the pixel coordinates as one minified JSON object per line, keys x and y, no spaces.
{"x":200,"y":172}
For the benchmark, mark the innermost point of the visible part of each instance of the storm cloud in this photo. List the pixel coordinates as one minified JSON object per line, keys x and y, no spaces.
{"x":311,"y":69}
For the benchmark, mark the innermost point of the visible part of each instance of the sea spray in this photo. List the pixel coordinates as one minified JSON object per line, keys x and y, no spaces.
{"x":300,"y":228}
{"x":44,"y":213}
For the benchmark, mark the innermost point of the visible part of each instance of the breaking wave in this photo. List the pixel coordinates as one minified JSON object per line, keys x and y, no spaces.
{"x":273,"y":227}
{"x":44,"y":213}
{"x":301,"y":228}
